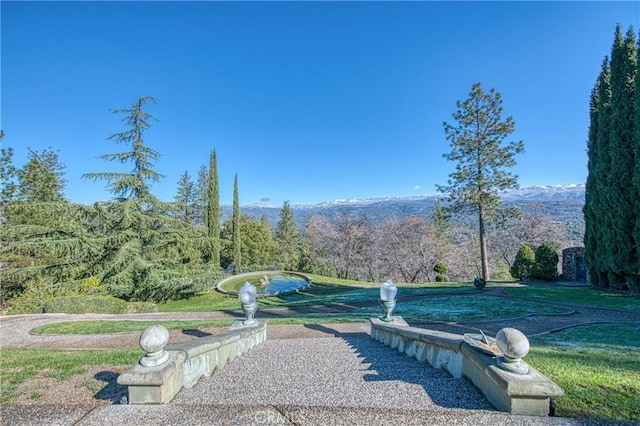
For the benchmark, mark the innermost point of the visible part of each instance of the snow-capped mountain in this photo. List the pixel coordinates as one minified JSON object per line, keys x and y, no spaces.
{"x":568,"y":192}
{"x":563,"y":202}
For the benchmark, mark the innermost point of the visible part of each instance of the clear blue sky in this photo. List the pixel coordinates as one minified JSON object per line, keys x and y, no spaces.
{"x":305,"y":101}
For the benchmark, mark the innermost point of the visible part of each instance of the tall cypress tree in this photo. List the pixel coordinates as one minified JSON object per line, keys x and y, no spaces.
{"x":623,"y":70}
{"x":594,"y":189}
{"x":603,"y":252}
{"x":213,"y":209}
{"x":287,"y":239}
{"x":612,"y":205}
{"x":235,"y":221}
{"x":636,"y":173}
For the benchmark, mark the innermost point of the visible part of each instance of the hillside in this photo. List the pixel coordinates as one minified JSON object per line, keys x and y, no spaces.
{"x":562,"y":202}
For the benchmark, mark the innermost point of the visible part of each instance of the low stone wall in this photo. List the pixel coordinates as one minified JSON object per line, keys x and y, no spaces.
{"x":524,"y":394}
{"x":189,"y":361}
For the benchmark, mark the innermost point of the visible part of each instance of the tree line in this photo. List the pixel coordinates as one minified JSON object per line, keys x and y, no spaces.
{"x":139,"y":248}
{"x":612,"y":207}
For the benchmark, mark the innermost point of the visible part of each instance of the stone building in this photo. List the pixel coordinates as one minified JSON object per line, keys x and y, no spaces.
{"x":573,"y":267}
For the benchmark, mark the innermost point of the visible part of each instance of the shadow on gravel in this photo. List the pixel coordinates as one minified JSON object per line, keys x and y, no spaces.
{"x":386,"y":364}
{"x":112,"y":391}
{"x":195,"y":332}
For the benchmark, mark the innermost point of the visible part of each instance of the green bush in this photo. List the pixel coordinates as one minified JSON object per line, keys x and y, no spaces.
{"x":441,"y":268}
{"x":86,"y":304}
{"x":524,"y":261}
{"x":479,"y":283}
{"x":441,"y":278}
{"x":546,"y":266}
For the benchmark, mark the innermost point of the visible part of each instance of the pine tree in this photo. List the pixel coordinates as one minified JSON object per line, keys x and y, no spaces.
{"x":482,"y":160}
{"x":235,"y":222}
{"x":185,"y":198}
{"x":441,"y":221}
{"x":213,"y":209}
{"x":41,"y":179}
{"x":8,"y":172}
{"x":135,"y":184}
{"x":287,"y":239}
{"x":623,"y":70}
{"x":202,"y":196}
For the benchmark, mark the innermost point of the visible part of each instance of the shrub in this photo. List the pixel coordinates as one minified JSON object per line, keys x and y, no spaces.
{"x":86,"y":304}
{"x":92,"y":285}
{"x":546,"y":266}
{"x":441,"y":278}
{"x":524,"y":261}
{"x":479,"y":283}
{"x":441,"y":268}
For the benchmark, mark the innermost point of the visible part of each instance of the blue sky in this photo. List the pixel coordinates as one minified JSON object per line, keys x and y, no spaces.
{"x":305,"y":101}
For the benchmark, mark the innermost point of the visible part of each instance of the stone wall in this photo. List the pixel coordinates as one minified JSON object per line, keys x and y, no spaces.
{"x":182,"y":365}
{"x":524,"y":394}
{"x":572,"y":264}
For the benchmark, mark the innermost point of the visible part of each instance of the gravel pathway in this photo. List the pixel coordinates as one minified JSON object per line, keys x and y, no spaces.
{"x":348,"y":370}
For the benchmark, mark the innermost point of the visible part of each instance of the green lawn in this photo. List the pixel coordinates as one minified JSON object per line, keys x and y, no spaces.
{"x":323,"y":291}
{"x":587,"y":296}
{"x":19,"y":365}
{"x":598,"y":366}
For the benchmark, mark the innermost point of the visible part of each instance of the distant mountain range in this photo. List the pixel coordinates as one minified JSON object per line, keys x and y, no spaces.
{"x":563,"y":202}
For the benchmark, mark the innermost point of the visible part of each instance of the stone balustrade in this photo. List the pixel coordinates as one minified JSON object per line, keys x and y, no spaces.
{"x":165,"y":370}
{"x":526,"y":393}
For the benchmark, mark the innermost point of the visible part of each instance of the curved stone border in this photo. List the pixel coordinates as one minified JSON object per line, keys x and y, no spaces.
{"x":219,"y":285}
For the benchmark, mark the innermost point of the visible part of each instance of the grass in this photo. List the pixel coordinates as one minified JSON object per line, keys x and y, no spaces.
{"x":586,"y":296}
{"x":19,"y":365}
{"x":323,"y":291}
{"x":443,"y":308}
{"x":107,"y":327}
{"x":477,"y":308}
{"x":598,"y":367}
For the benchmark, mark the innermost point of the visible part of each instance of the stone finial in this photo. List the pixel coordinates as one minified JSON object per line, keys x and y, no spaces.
{"x":514,"y":345}
{"x":152,"y":341}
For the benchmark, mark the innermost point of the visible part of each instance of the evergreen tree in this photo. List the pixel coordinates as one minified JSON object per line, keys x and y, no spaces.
{"x":287,"y":239}
{"x":8,"y":172}
{"x":135,"y":184}
{"x":202,"y":196}
{"x":482,"y":161}
{"x":546,"y":264}
{"x":603,"y":252}
{"x":441,"y":221}
{"x":235,"y":223}
{"x":257,"y":247}
{"x":185,"y":198}
{"x":623,"y":216}
{"x":213,"y":209}
{"x":41,"y":179}
{"x":524,"y":261}
{"x":635,"y":285}
{"x":595,"y":190}
{"x":137,"y":254}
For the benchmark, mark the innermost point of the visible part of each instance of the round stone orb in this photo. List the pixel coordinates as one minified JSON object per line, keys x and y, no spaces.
{"x":512,"y":343}
{"x":154,"y":339}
